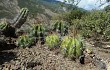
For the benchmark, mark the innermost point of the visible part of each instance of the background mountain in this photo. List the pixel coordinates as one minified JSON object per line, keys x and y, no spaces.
{"x":43,"y":9}
{"x":8,"y":8}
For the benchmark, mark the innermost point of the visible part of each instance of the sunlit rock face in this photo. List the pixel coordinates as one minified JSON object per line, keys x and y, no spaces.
{"x":8,"y":8}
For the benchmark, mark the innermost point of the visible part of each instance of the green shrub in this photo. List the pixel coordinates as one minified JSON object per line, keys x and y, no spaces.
{"x":95,"y":24}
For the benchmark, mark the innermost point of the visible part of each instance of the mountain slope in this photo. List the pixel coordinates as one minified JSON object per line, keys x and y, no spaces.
{"x":44,"y":9}
{"x":8,"y":8}
{"x":39,"y":6}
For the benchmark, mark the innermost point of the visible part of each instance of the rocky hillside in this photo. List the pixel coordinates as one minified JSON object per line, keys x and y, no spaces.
{"x":8,"y":8}
{"x":40,"y":8}
{"x":44,"y":9}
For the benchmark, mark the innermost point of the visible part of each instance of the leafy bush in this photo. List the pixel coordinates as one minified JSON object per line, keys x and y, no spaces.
{"x":73,"y":14}
{"x":95,"y":24}
{"x":52,"y":41}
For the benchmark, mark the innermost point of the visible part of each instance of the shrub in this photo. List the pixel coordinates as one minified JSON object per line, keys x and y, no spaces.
{"x":95,"y":24}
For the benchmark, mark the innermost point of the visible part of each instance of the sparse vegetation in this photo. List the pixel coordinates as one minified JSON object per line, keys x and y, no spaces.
{"x":77,"y":34}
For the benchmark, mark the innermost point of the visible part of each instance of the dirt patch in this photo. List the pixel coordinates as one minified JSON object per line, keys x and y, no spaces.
{"x":41,"y":58}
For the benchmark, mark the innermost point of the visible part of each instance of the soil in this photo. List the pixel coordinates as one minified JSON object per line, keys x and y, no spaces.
{"x":41,"y":58}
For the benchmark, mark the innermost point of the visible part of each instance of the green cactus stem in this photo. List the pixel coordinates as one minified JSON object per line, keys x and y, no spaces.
{"x":21,"y":18}
{"x":61,"y":27}
{"x":38,"y":31}
{"x":52,"y":41}
{"x":25,"y":41}
{"x":6,"y":29}
{"x":72,"y":47}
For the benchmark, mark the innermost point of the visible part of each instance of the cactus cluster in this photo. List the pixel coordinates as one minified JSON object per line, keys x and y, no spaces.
{"x":72,"y":47}
{"x":61,"y":27}
{"x":38,"y":31}
{"x":3,"y":26}
{"x":25,"y":41}
{"x":8,"y":29}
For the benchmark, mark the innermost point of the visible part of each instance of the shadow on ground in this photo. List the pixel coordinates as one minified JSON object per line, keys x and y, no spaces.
{"x":7,"y":47}
{"x":6,"y":56}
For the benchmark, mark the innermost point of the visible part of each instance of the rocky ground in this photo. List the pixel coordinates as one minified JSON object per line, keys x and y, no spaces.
{"x":41,"y":58}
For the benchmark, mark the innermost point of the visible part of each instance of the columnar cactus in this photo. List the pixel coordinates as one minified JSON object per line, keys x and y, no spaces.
{"x":21,"y":18}
{"x":8,"y":29}
{"x":38,"y":31}
{"x":61,"y":27}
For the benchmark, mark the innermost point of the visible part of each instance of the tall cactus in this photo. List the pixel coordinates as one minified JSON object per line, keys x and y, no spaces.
{"x":38,"y":31}
{"x":9,"y":30}
{"x":21,"y":18}
{"x":61,"y":27}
